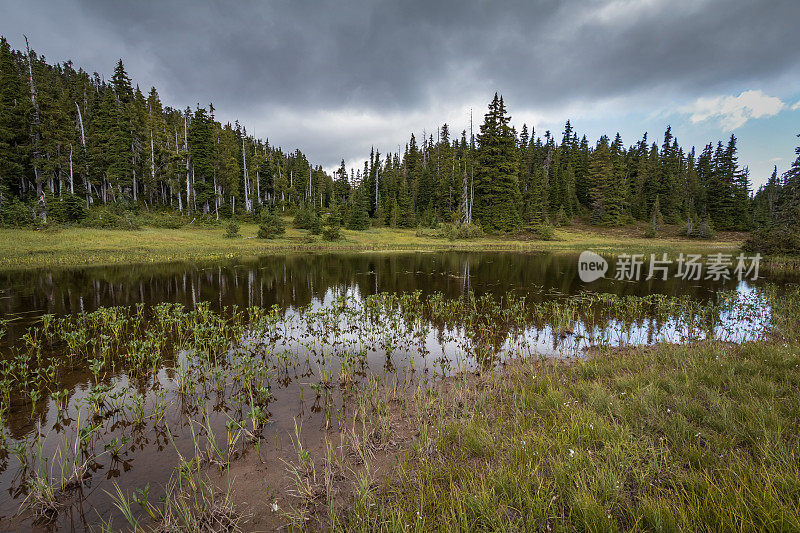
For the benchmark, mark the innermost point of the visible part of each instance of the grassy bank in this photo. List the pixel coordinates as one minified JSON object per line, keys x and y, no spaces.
{"x":23,"y":248}
{"x":703,"y":437}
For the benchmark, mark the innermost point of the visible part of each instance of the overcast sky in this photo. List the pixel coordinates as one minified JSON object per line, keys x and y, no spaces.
{"x":335,"y":78}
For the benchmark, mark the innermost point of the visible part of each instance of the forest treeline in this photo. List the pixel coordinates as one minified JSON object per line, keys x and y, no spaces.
{"x":70,"y":137}
{"x":71,"y":141}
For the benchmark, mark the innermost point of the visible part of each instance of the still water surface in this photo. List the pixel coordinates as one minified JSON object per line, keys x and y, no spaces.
{"x":294,"y":280}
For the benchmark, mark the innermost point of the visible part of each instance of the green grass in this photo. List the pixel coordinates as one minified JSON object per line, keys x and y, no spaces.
{"x":674,"y":438}
{"x":702,"y":437}
{"x":25,"y":248}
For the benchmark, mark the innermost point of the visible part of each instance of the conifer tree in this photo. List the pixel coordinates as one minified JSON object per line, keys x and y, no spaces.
{"x":765,"y":202}
{"x":341,"y":186}
{"x":359,"y":216}
{"x":497,"y":196}
{"x":607,"y":189}
{"x":271,"y":225}
{"x":63,"y":131}
{"x":13,"y":137}
{"x":202,"y":157}
{"x":789,"y":197}
{"x":332,"y":230}
{"x":405,"y":206}
{"x":227,"y":166}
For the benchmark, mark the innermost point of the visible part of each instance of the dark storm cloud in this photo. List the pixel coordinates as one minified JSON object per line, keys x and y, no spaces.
{"x":295,"y":59}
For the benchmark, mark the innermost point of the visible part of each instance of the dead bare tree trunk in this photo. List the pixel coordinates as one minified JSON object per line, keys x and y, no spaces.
{"x":178,"y":184}
{"x":80,"y":121}
{"x":246,"y":185}
{"x":152,"y":158}
{"x":258,"y":186}
{"x":71,"y":187}
{"x":188,"y":183}
{"x":36,"y":136}
{"x":283,"y":206}
{"x":86,"y":169}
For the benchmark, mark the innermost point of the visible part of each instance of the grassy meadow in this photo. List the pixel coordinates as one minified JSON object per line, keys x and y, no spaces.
{"x":75,"y":246}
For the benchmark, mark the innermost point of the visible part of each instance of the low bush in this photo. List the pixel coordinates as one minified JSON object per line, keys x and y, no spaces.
{"x":303,"y":218}
{"x":452,"y":231}
{"x":110,"y":217}
{"x":164,"y":220}
{"x":66,"y":208}
{"x":271,"y":225}
{"x":777,"y":240}
{"x":698,"y":229}
{"x":232,"y":229}
{"x":545,"y":232}
{"x":332,"y":232}
{"x":16,"y":214}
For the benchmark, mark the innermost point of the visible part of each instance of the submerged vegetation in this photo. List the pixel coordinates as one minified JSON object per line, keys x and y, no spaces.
{"x":139,"y":341}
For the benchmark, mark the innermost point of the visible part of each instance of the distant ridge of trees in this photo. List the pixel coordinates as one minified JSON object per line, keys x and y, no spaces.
{"x":70,"y":141}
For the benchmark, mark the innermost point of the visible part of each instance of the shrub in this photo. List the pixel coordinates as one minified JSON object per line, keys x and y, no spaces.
{"x":49,"y":229}
{"x":452,"y":231}
{"x":332,"y":231}
{"x":315,"y":225}
{"x":128,"y":221}
{"x":428,"y":232}
{"x":66,"y":208}
{"x":207,"y":221}
{"x":271,"y":225}
{"x":359,"y":218}
{"x":469,"y":231}
{"x":308,"y":218}
{"x":110,"y":217}
{"x":776,"y":240}
{"x":545,"y":232}
{"x":704,"y":230}
{"x":232,"y":229}
{"x":163,"y":220}
{"x":561,"y":217}
{"x":698,"y":229}
{"x":302,"y":219}
{"x":16,"y":214}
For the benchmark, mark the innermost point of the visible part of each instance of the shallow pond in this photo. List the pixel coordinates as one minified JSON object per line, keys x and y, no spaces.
{"x":114,"y":373}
